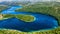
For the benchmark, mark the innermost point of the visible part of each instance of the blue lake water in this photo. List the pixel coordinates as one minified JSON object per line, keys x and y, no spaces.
{"x":42,"y":22}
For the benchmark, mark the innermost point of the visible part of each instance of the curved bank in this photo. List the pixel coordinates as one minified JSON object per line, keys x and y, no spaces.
{"x":42,"y":22}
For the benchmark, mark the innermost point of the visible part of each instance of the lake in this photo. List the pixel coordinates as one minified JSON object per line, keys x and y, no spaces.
{"x":41,"y":22}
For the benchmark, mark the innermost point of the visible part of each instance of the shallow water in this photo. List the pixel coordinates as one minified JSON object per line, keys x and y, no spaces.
{"x":41,"y":22}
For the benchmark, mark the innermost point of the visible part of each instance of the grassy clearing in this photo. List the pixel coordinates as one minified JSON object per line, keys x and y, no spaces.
{"x":5,"y":16}
{"x":26,"y":18}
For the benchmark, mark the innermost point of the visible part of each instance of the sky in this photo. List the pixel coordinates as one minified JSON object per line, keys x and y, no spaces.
{"x":29,"y":0}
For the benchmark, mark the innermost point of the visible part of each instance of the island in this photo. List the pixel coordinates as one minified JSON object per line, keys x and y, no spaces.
{"x":25,"y":18}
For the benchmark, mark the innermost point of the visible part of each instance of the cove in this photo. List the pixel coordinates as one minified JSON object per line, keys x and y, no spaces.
{"x":41,"y":22}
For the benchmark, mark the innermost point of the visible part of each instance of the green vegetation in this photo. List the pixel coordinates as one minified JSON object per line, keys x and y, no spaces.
{"x":5,"y":16}
{"x":53,"y":10}
{"x":55,"y":31}
{"x":8,"y":15}
{"x":26,"y":18}
{"x":45,"y":8}
{"x":3,"y":8}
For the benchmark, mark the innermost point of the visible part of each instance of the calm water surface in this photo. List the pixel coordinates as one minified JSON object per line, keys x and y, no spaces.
{"x":41,"y":22}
